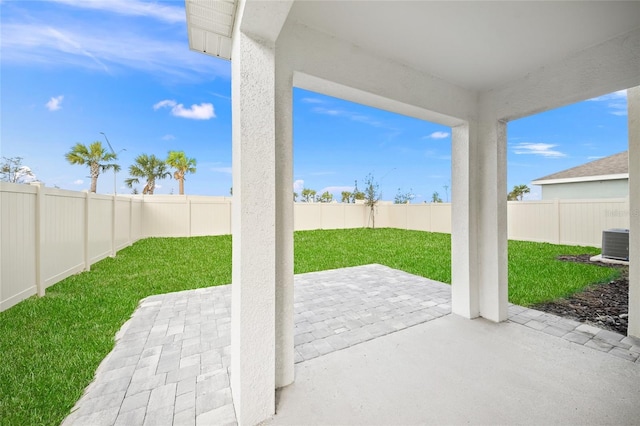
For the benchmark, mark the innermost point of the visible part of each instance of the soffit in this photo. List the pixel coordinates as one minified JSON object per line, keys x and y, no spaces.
{"x":475,"y":45}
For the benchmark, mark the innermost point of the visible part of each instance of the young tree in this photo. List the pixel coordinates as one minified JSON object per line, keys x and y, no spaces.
{"x":356,"y":194}
{"x":295,"y":196}
{"x":12,"y":171}
{"x":435,"y":198}
{"x":94,"y":156}
{"x":326,"y":197}
{"x":150,"y":168}
{"x":517,"y":193}
{"x":403,"y":197}
{"x":182,"y":165}
{"x":346,"y":197}
{"x":308,"y":195}
{"x":371,"y":196}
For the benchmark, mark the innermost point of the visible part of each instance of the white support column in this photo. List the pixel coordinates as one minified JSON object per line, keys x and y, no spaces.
{"x":464,"y":259}
{"x":633,"y":99}
{"x":254,"y":230}
{"x":284,"y":224}
{"x":479,"y":228}
{"x":492,"y":220}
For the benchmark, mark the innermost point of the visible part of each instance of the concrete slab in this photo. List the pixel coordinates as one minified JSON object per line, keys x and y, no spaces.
{"x":456,"y":371}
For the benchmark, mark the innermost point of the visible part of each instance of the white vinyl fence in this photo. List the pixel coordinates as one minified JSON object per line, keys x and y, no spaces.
{"x":48,"y":234}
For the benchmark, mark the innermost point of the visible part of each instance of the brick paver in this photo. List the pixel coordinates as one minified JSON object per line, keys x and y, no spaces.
{"x":170,"y":364}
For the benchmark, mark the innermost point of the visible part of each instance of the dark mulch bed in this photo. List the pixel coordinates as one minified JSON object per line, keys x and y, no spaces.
{"x":604,"y":305}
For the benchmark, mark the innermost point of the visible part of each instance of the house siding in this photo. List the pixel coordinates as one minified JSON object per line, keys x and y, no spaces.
{"x":618,"y":188}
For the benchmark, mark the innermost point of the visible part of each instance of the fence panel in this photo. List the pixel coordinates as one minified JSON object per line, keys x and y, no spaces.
{"x":582,"y":221}
{"x":17,"y":243}
{"x":165,"y":216}
{"x":100,"y":227}
{"x":123,"y":222}
{"x":307,"y":216}
{"x":63,"y":234}
{"x":136,"y":219}
{"x":418,"y":216}
{"x":210,"y":218}
{"x":533,"y":221}
{"x":441,"y":217}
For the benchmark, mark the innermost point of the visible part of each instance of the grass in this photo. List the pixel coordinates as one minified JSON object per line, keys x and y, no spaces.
{"x":51,"y":346}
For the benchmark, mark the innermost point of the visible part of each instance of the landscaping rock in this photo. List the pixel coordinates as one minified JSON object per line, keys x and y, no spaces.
{"x":604,"y":305}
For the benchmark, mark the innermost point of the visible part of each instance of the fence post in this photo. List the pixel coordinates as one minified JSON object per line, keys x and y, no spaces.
{"x":189,"y":222}
{"x":40,"y":224}
{"x":87,"y":201}
{"x":130,"y":221}
{"x":230,"y":215}
{"x":113,"y":227}
{"x":556,"y":204}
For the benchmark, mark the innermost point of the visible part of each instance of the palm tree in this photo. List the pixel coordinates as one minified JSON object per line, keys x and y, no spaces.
{"x":308,"y":195}
{"x":149,"y":167}
{"x":182,"y":164}
{"x":518,"y":192}
{"x":94,"y":156}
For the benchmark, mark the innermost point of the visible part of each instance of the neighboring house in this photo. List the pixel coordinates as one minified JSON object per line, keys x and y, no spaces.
{"x":604,"y":178}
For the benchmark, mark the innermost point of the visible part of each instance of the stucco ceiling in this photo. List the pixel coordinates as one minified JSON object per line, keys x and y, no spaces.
{"x":476,"y":45}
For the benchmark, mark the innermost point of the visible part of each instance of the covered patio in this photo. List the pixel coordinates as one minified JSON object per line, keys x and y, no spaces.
{"x":472,"y":66}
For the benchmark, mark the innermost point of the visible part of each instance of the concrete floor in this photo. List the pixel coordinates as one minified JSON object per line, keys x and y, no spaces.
{"x":455,"y":371}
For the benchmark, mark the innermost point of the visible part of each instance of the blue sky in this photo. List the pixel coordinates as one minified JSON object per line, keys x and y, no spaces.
{"x":72,"y":69}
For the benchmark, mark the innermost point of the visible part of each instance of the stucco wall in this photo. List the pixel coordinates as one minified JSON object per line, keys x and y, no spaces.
{"x":618,"y":188}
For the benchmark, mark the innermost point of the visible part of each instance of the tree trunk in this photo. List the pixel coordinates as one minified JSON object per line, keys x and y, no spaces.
{"x":95,"y":171}
{"x":181,"y":185}
{"x":149,"y":187}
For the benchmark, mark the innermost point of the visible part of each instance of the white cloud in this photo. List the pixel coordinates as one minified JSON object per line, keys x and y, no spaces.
{"x":25,"y":175}
{"x":620,"y":94}
{"x":160,"y":11}
{"x":81,"y":45}
{"x":227,"y":170}
{"x":312,"y":101}
{"x":298,"y":186}
{"x":204,"y":111}
{"x":616,"y":102}
{"x":54,"y":103}
{"x":437,"y":135}
{"x":542,"y":149}
{"x":168,"y":137}
{"x":165,"y":103}
{"x":594,"y":157}
{"x":78,"y":182}
{"x":360,"y":118}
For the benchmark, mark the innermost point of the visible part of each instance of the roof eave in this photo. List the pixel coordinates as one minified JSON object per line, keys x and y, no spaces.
{"x":210,"y":26}
{"x":619,"y":176}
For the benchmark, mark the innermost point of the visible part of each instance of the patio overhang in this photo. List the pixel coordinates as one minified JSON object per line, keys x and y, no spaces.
{"x":469,"y":65}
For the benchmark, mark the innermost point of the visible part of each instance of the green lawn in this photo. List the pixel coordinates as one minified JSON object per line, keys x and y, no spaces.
{"x":51,"y":346}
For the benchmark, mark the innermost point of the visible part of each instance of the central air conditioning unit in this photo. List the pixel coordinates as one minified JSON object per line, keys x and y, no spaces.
{"x":615,"y":244}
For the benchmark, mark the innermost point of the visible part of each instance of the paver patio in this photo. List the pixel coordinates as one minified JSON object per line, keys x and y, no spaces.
{"x":170,"y":364}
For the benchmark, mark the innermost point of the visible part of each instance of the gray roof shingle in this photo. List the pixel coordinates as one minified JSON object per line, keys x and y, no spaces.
{"x":612,"y":165}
